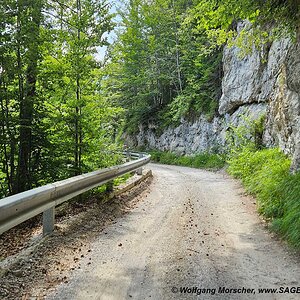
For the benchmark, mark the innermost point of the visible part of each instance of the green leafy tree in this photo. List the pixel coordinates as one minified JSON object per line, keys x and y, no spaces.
{"x":162,"y":65}
{"x":70,"y":69}
{"x":55,"y":121}
{"x":20,"y":54}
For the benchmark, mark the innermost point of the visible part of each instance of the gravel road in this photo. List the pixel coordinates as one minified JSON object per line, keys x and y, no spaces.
{"x":195,"y":229}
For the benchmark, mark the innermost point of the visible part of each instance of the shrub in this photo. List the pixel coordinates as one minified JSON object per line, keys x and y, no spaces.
{"x":262,"y":173}
{"x":265,"y":174}
{"x":201,"y":160}
{"x":289,"y":224}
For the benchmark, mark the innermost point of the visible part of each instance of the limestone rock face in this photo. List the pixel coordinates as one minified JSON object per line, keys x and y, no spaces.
{"x":251,"y":79}
{"x":199,"y":136}
{"x":267,"y":82}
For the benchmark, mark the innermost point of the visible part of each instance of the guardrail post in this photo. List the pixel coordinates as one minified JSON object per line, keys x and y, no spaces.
{"x":140,"y":170}
{"x":23,"y":206}
{"x":48,"y":221}
{"x":127,"y":155}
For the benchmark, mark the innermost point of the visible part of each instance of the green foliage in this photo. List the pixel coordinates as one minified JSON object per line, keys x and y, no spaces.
{"x":201,"y":160}
{"x":55,"y":119}
{"x":262,"y":173}
{"x":246,"y":136}
{"x":265,"y":173}
{"x":167,"y":58}
{"x":289,"y":224}
{"x":159,"y":67}
{"x":269,"y":19}
{"x":122,"y":179}
{"x":202,"y":88}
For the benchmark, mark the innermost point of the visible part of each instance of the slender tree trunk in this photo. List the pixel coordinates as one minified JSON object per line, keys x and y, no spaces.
{"x":16,"y":188}
{"x":158,"y":97}
{"x":77,"y":150}
{"x":24,"y":181}
{"x":178,"y":67}
{"x":4,"y":129}
{"x":12,"y":164}
{"x":77,"y":143}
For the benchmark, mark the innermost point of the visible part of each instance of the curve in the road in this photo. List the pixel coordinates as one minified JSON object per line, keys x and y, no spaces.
{"x":195,"y":230}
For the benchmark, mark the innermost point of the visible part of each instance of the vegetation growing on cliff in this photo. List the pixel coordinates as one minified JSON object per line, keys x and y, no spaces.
{"x":161,"y":67}
{"x":166,"y":61}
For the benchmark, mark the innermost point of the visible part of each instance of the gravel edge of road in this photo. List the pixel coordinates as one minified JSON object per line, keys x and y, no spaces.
{"x":12,"y":267}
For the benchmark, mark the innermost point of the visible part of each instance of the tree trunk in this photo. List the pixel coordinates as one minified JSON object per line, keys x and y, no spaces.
{"x":27,"y":101}
{"x":4,"y":141}
{"x":178,"y":68}
{"x":77,"y":150}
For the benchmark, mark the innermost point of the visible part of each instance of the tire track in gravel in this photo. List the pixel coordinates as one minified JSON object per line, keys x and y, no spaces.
{"x":194,"y":229}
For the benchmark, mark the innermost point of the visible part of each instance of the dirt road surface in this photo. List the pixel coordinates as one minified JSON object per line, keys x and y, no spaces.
{"x":196,"y":230}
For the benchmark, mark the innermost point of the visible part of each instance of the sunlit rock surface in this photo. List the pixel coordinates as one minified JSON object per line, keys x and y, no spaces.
{"x":267,"y":82}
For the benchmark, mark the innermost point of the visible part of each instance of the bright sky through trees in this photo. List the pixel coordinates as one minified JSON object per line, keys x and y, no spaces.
{"x":102,"y":50}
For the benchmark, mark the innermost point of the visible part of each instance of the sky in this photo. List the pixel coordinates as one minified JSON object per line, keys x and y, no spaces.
{"x":102,"y":50}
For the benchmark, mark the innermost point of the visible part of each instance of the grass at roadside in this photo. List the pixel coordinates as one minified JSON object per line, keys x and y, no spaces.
{"x":200,"y":160}
{"x":265,"y":174}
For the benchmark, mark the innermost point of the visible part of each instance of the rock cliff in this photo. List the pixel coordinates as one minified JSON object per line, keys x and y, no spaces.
{"x":267,"y":82}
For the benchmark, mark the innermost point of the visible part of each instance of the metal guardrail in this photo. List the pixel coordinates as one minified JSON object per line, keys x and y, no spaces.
{"x":23,"y":206}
